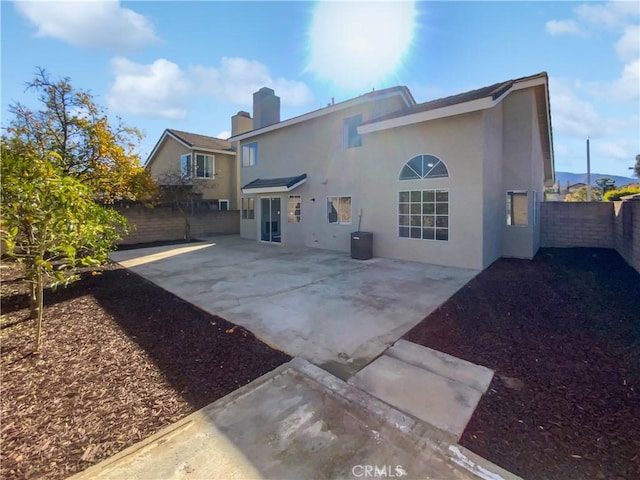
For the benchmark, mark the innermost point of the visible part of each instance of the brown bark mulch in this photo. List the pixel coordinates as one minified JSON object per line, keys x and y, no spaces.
{"x":121,"y":359}
{"x":562,"y":333}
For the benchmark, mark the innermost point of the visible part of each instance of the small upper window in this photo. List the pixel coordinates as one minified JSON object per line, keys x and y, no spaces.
{"x":249,"y":154}
{"x":423,"y":166}
{"x":351,"y":137}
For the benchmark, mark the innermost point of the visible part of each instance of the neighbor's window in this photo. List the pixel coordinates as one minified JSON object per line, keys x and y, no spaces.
{"x":248,"y":208}
{"x":223,"y":205}
{"x":351,"y":137}
{"x":204,"y":166}
{"x":517,"y":208}
{"x":339,"y":210}
{"x":424,"y":214}
{"x":535,"y":208}
{"x":423,"y":166}
{"x":293,"y":209}
{"x":249,"y":154}
{"x":185,"y":165}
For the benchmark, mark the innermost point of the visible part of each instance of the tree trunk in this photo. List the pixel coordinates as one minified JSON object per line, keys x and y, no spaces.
{"x":39,"y":292}
{"x":33,"y":300}
{"x":187,"y":229}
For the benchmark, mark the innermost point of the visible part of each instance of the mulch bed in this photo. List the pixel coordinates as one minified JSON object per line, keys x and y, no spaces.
{"x":120,"y":359}
{"x":562,"y":333}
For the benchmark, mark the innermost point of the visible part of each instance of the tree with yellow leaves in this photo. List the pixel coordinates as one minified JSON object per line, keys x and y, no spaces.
{"x":75,"y":133}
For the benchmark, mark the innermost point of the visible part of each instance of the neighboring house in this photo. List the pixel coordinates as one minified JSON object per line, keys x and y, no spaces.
{"x":575,"y":187}
{"x":185,"y":157}
{"x":455,"y":181}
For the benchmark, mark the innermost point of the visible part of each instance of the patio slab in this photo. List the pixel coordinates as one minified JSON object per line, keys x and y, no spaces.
{"x":297,"y":422}
{"x":337,"y":312}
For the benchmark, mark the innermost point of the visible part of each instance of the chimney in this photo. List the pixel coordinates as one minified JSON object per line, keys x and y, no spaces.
{"x":266,"y":108}
{"x":241,"y":122}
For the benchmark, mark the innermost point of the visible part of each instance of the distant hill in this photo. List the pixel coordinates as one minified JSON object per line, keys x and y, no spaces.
{"x":563,"y":177}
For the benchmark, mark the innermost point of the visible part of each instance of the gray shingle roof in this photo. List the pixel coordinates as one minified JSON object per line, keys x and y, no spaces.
{"x":195,"y":140}
{"x":286,"y":182}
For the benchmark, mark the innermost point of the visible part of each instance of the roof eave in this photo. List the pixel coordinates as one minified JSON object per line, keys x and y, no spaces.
{"x":436,"y":113}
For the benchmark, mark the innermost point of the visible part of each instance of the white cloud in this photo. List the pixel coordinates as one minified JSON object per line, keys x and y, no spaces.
{"x":224,"y":134}
{"x":235,"y":80}
{"x":571,"y":115}
{"x":627,"y":87}
{"x":563,"y":27}
{"x":92,"y":24}
{"x":611,"y":15}
{"x":159,"y":89}
{"x":628,"y":47}
{"x":164,"y":89}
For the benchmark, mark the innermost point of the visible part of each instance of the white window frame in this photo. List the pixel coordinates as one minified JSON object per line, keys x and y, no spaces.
{"x":208,"y":166}
{"x":421,"y":214}
{"x":339,"y":216}
{"x":511,"y":194}
{"x":249,"y":154}
{"x":185,"y":165}
{"x":248,"y":208}
{"x":536,"y":208}
{"x":293,"y":213}
{"x":225,"y":202}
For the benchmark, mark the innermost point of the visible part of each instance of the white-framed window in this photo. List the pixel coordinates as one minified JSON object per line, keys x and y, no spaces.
{"x":185,"y":165}
{"x":350,"y":136}
{"x":204,"y":166}
{"x":536,"y":208}
{"x":223,"y":205}
{"x":423,"y":214}
{"x":248,"y":208}
{"x":293,"y":208}
{"x":339,"y":210}
{"x":517,"y":208}
{"x":423,"y":166}
{"x":249,"y":154}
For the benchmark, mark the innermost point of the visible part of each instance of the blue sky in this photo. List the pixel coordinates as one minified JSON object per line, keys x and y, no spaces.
{"x":191,"y":65}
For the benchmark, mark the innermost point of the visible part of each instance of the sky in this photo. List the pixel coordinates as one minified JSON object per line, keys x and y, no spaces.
{"x":191,"y":65}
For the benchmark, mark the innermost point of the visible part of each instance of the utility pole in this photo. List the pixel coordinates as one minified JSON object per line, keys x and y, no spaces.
{"x":588,"y":172}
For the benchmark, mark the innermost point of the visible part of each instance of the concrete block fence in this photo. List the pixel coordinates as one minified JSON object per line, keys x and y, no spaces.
{"x":613,"y":225}
{"x":163,"y":223}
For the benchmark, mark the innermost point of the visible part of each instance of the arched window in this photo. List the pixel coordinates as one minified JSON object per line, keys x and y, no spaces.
{"x":423,"y":166}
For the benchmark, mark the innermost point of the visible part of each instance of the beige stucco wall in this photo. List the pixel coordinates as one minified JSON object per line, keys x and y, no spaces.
{"x":522,"y":169}
{"x":223,"y":186}
{"x":369,"y":174}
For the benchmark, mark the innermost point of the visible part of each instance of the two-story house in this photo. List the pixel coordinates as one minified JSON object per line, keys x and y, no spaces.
{"x":455,"y":181}
{"x":205,"y":165}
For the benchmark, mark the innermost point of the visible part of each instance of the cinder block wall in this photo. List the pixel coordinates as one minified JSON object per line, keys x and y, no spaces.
{"x":577,"y":224}
{"x":596,"y":224}
{"x":167,"y":223}
{"x":627,"y":231}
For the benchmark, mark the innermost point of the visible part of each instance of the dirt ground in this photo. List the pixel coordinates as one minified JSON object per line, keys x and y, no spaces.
{"x":121,"y":359}
{"x":562,"y":333}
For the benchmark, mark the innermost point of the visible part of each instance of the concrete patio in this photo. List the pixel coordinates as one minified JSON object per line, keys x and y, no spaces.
{"x":376,"y":402}
{"x":320,"y":305}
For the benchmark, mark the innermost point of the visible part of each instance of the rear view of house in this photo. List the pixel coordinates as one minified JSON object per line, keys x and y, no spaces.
{"x":455,"y":181}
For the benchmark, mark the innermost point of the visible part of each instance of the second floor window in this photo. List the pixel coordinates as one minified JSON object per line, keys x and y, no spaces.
{"x":202,"y":167}
{"x":351,"y":137}
{"x":249,"y":154}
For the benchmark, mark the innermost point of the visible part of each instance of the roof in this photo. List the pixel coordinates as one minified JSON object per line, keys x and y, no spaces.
{"x":401,"y":91}
{"x":493,"y":93}
{"x":272,"y":185}
{"x":193,"y":141}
